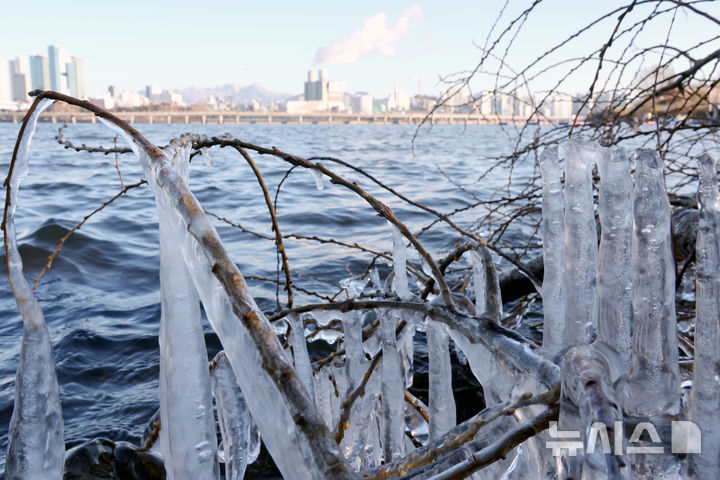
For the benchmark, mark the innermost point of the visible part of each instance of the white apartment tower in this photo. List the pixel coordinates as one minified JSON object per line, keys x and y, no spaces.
{"x":76,"y":77}
{"x":20,"y":79}
{"x":58,"y":63}
{"x":40,"y":72}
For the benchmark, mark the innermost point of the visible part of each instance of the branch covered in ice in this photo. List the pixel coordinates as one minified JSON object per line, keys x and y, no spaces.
{"x":36,"y":449}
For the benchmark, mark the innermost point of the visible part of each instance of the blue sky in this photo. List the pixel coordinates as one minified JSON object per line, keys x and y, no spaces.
{"x":370,"y":45}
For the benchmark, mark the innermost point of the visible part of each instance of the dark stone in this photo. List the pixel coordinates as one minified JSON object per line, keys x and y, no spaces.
{"x":102,"y":459}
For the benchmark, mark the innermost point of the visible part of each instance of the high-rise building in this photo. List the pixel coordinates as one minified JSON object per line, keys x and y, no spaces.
{"x":57,"y":60}
{"x":4,"y":81}
{"x":20,"y":76}
{"x":39,"y":72}
{"x":76,"y":77}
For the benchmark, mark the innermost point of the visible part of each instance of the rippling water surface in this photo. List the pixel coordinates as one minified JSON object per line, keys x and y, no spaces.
{"x":101,"y":297}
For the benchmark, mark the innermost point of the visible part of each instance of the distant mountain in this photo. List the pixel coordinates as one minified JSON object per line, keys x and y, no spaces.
{"x":235,"y":91}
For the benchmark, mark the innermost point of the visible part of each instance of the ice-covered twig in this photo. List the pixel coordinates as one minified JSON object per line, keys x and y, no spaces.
{"x":188,"y":440}
{"x":318,"y":450}
{"x":588,"y":396}
{"x":504,"y":343}
{"x":460,"y":435}
{"x":84,"y":148}
{"x":275,"y":226}
{"x":500,"y":448}
{"x":382,"y":209}
{"x":77,"y":227}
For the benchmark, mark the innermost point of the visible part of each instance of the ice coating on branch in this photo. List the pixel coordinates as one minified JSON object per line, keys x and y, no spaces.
{"x":189,"y":440}
{"x":393,"y":390}
{"x":479,"y":281}
{"x":36,"y":448}
{"x":400,"y":279}
{"x":441,"y":398}
{"x":653,"y":386}
{"x":319,"y":178}
{"x":614,"y":265}
{"x":590,"y":404}
{"x":300,"y":353}
{"x":233,"y":417}
{"x":580,"y":243}
{"x":288,"y":445}
{"x":553,"y":237}
{"x":705,"y":395}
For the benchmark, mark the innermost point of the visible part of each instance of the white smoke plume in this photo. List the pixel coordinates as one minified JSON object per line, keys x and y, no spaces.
{"x":374,"y":37}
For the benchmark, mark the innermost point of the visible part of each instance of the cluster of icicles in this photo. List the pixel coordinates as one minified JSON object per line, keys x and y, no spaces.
{"x":613,"y":305}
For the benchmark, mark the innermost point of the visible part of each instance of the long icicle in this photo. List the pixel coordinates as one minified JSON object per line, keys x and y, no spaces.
{"x":553,"y":235}
{"x":580,"y":244}
{"x":301,"y":449}
{"x":653,"y":386}
{"x":233,"y":417}
{"x":614,"y":270}
{"x":441,"y":398}
{"x":705,"y":396}
{"x":36,"y":448}
{"x":188,"y":438}
{"x":393,"y":390}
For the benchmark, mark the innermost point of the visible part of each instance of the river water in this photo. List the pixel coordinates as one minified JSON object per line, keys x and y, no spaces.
{"x":101,"y":297}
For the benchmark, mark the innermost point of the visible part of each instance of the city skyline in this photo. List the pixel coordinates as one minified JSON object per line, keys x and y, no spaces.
{"x":57,"y":71}
{"x":371,"y":46}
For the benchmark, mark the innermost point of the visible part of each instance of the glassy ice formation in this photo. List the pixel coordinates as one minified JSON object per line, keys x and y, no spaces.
{"x":351,"y":414}
{"x":705,"y":396}
{"x":36,"y":448}
{"x":580,"y":243}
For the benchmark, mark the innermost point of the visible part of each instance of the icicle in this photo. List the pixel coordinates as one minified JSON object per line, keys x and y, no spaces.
{"x":614,"y":266}
{"x":653,"y":385}
{"x":441,"y":398}
{"x":36,"y":449}
{"x":205,"y":151}
{"x":580,"y":243}
{"x":319,"y":178}
{"x":553,"y":236}
{"x":492,"y":295}
{"x":400,"y":280}
{"x":479,"y":281}
{"x":233,"y":417}
{"x":375,"y":278}
{"x":285,"y":439}
{"x":255,"y":442}
{"x":355,"y":362}
{"x":705,"y":396}
{"x":393,"y":391}
{"x":189,"y":444}
{"x":407,"y":351}
{"x":300,"y":353}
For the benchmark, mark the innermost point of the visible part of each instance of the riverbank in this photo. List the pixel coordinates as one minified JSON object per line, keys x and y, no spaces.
{"x":269,"y":118}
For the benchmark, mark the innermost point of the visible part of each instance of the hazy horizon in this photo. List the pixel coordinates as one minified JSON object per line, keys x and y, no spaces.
{"x":370,"y":46}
